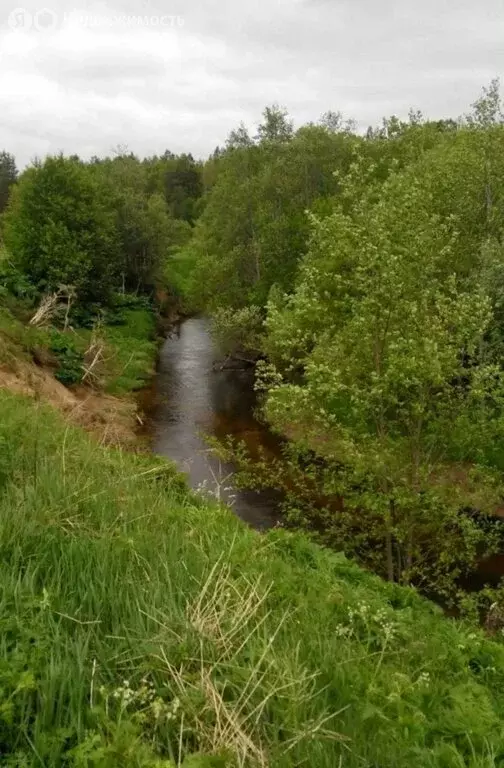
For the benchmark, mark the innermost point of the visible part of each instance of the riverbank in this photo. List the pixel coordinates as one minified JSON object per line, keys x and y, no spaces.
{"x":92,"y":375}
{"x":149,"y":626}
{"x":146,"y":625}
{"x":196,"y":401}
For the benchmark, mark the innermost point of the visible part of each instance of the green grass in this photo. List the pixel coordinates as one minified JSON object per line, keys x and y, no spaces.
{"x":131,"y":351}
{"x":18,"y":340}
{"x":128,"y":357}
{"x":142,"y":627}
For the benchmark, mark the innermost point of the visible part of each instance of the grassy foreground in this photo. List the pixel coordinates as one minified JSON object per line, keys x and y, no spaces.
{"x":143,"y":627}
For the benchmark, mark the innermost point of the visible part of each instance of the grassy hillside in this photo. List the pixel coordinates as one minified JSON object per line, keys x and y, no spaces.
{"x":143,"y":627}
{"x":125,"y":340}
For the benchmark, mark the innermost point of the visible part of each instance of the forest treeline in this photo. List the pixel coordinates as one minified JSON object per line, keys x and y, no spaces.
{"x":100,"y":226}
{"x":364,"y":274}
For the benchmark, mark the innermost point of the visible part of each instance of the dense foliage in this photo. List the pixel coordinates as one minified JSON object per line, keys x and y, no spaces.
{"x":254,"y":230}
{"x":100,"y":227}
{"x":378,"y":313}
{"x":59,"y":231}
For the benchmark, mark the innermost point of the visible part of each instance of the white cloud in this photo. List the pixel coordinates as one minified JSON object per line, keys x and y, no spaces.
{"x":84,"y":88}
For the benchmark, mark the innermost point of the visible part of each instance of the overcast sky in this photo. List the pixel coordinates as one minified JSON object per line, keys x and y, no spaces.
{"x":81,"y":79}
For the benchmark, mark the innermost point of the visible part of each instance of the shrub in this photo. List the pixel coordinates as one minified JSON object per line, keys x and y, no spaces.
{"x":59,"y":232}
{"x":70,"y":358}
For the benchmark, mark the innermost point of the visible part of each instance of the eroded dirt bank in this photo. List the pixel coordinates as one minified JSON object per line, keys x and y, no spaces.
{"x":113,"y":420}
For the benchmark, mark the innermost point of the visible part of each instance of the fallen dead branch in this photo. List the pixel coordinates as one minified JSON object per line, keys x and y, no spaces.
{"x":52,"y":305}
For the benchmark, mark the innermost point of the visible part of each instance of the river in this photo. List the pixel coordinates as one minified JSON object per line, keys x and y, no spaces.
{"x":195,"y":398}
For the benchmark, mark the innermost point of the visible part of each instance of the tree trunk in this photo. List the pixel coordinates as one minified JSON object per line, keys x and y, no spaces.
{"x":257,"y":262}
{"x":390,"y":556}
{"x":389,"y":544}
{"x":409,"y":557}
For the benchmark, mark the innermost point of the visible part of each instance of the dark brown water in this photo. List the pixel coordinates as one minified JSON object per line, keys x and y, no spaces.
{"x":195,"y":398}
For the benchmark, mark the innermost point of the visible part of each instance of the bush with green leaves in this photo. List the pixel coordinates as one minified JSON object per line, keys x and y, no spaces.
{"x":68,"y":351}
{"x":60,"y":231}
{"x":14,"y":284}
{"x":378,"y":367}
{"x":238,"y":331}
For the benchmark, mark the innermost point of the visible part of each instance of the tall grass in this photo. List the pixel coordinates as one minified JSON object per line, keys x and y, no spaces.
{"x":141,"y":626}
{"x":131,"y":351}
